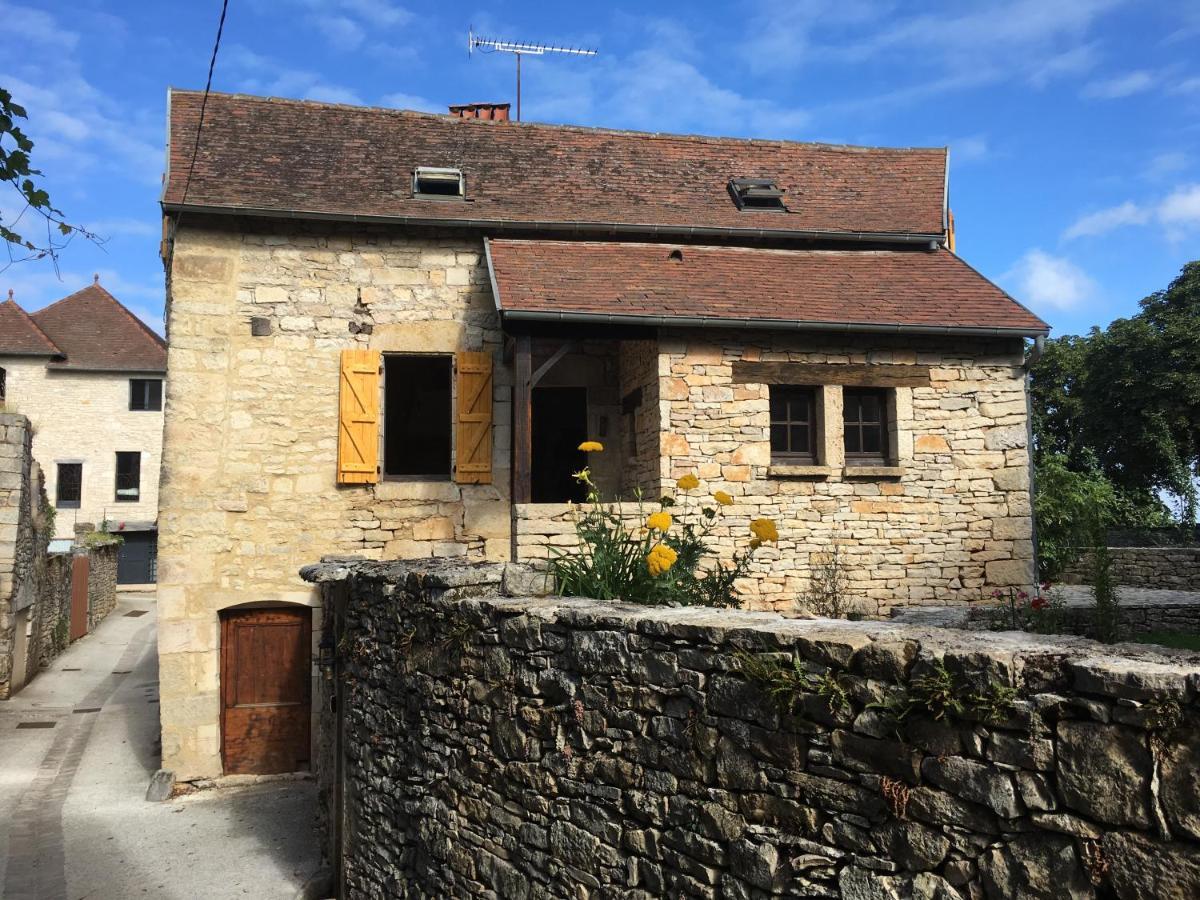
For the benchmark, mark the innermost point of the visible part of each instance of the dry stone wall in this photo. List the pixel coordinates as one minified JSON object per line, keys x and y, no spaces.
{"x":524,"y":747}
{"x":1155,"y":568}
{"x":19,"y":545}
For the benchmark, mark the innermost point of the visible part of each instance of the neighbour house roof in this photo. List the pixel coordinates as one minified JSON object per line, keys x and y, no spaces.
{"x":94,"y":331}
{"x":20,"y":335}
{"x":853,"y":290}
{"x":303,"y":159}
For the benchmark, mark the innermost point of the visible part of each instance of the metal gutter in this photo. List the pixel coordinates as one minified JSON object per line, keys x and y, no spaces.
{"x":516,"y":315}
{"x":568,"y":227}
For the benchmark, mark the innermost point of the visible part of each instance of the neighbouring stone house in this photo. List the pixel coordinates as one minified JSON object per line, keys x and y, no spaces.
{"x":389,"y":331}
{"x":88,"y":373}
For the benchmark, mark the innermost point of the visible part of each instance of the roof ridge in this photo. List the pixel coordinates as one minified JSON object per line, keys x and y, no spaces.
{"x":104,"y":292}
{"x":36,"y":327}
{"x":552,"y":126}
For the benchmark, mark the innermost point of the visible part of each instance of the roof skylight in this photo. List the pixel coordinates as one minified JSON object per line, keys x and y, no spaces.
{"x":756,"y":193}
{"x":429,"y":181}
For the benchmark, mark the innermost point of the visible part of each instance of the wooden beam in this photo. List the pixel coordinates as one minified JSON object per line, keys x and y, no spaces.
{"x":522,"y":442}
{"x":847,"y":374}
{"x":549,"y":364}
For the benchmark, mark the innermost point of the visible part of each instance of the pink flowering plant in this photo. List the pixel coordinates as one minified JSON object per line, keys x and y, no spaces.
{"x":1038,"y":610}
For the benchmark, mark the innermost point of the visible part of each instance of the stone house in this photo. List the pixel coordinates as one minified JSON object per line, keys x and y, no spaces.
{"x":390,"y":330}
{"x":88,"y":374}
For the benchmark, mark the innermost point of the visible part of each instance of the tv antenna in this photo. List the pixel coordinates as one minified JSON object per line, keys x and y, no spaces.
{"x":519,"y":49}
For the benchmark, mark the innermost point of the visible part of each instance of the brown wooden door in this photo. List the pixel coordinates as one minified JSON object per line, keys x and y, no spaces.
{"x":80,"y":571}
{"x":265,"y":686}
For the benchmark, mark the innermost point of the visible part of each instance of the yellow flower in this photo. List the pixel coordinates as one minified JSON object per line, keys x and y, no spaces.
{"x":591,"y":447}
{"x":660,"y":559}
{"x":755,"y":543}
{"x":723,"y":498}
{"x":659,"y":521}
{"x":764,"y":530}
{"x":688,"y":482}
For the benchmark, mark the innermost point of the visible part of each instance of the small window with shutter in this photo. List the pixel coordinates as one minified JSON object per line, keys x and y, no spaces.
{"x":417,"y":416}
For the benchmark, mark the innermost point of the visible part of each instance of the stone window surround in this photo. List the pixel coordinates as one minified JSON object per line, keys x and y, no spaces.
{"x":831,"y":451}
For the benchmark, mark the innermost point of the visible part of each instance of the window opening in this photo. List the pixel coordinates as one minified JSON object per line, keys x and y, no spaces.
{"x":129,"y":476}
{"x":429,"y":181}
{"x":794,"y":423}
{"x":417,"y":420}
{"x":865,"y":415}
{"x":69,"y":485}
{"x":145,"y":394}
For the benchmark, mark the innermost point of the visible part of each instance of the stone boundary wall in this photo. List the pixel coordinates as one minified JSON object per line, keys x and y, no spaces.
{"x":18,"y":545}
{"x":539,"y":526}
{"x":1161,"y":568}
{"x":51,"y":629}
{"x":531,"y":748}
{"x":102,"y":582}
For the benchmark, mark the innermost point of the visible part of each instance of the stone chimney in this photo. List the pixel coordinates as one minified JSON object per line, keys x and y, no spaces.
{"x":496,"y":111}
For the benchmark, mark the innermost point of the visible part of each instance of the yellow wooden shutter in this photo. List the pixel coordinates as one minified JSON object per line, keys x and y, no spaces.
{"x":358,"y":418}
{"x":473,"y":435}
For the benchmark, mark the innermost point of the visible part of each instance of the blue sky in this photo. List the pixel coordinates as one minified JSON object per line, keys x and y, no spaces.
{"x":1074,"y":125}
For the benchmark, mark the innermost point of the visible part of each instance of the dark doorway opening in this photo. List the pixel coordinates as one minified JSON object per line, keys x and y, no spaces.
{"x":559,"y":426}
{"x":416,"y":416}
{"x":137,"y":558}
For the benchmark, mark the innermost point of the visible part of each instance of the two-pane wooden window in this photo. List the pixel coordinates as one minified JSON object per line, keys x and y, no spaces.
{"x":866,"y":426}
{"x":794,"y":423}
{"x":129,"y":477}
{"x":69,"y":486}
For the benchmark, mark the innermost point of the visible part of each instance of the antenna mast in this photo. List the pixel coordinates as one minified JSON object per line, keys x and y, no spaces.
{"x":519,"y":49}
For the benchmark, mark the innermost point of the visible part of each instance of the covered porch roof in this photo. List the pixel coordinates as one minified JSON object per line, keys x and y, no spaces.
{"x":903,"y":290}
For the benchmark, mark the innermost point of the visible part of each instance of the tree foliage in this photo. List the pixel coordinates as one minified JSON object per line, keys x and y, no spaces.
{"x":1123,"y":403}
{"x":22,"y":235}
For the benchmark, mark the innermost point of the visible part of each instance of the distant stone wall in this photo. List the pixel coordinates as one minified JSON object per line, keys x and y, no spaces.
{"x":1162,"y":568}
{"x":51,"y":634}
{"x":537,"y":748}
{"x":102,"y":582}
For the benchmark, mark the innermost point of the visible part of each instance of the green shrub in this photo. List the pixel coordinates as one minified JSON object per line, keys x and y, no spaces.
{"x":659,"y":561}
{"x":1072,"y":508}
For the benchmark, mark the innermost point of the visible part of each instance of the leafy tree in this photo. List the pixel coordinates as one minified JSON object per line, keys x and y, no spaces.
{"x":1124,"y":402}
{"x":17,"y":171}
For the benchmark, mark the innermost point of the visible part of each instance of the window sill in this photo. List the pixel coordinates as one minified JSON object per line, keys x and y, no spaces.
{"x":873,"y":471}
{"x":792,"y":470}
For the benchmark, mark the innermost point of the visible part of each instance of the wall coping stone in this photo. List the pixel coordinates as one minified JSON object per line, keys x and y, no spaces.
{"x":1129,"y":671}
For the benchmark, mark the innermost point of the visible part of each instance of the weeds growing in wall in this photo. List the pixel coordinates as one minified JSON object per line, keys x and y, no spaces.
{"x":1106,"y":618}
{"x":829,"y":587}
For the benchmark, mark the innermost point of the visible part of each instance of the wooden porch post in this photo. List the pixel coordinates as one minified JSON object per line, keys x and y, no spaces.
{"x":522,"y":486}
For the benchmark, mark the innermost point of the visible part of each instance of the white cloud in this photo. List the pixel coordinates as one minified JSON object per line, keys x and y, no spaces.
{"x":1164,"y":164}
{"x":124,"y":227}
{"x":1046,"y":281}
{"x":1106,"y":220}
{"x":1181,"y":209}
{"x":411,"y":101}
{"x":969,"y":149}
{"x":1121,"y":86}
{"x":1187,"y":86}
{"x":343,"y":33}
{"x":254,"y":73}
{"x":379,"y":13}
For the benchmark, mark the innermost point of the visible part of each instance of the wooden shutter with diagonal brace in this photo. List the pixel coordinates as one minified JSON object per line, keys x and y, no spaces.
{"x":358,"y":418}
{"x":473,"y":434}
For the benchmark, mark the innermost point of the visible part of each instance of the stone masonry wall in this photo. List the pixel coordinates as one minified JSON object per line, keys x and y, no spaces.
{"x":537,"y":748}
{"x":18,"y":542}
{"x":956,"y":521}
{"x":249,"y":488}
{"x":1161,"y":568}
{"x":102,"y":582}
{"x":51,"y":627}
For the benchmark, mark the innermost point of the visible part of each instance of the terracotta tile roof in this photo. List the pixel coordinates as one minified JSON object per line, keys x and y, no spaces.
{"x":95,"y":331}
{"x":344,"y":161}
{"x":20,"y":335}
{"x":928,"y":290}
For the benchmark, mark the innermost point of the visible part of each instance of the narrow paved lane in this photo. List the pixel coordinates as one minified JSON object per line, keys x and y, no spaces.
{"x":73,"y":819}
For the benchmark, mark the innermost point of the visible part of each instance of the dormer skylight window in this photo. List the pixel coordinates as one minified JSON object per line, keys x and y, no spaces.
{"x":429,"y":181}
{"x":756,"y":193}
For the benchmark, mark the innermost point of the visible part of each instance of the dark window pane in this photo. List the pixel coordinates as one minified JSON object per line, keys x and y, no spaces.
{"x":800,"y":439}
{"x":778,"y":404}
{"x":870,"y":439}
{"x":853,"y":439}
{"x":779,"y":438}
{"x":869,"y":408}
{"x":70,"y":485}
{"x":145,"y":394}
{"x":416,"y":421}
{"x":129,"y":477}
